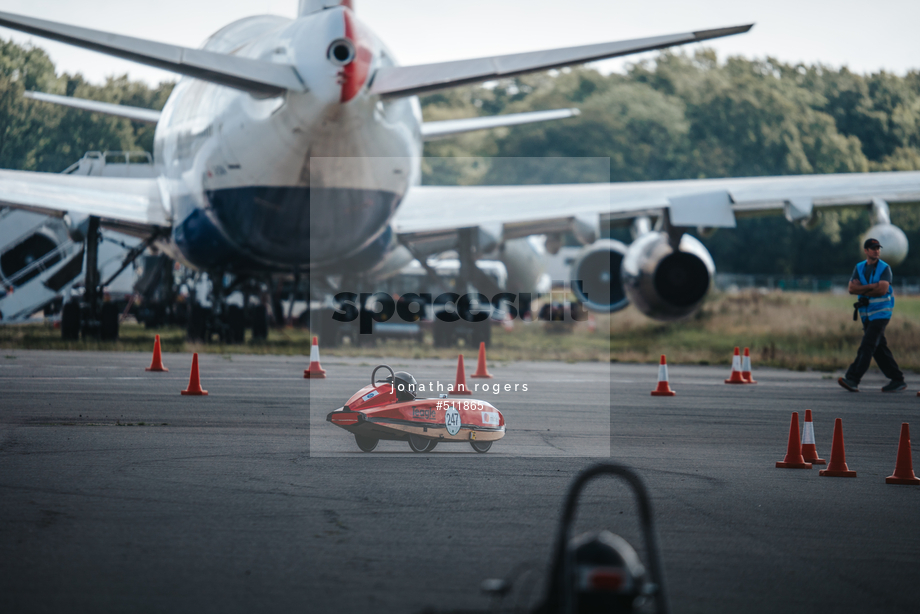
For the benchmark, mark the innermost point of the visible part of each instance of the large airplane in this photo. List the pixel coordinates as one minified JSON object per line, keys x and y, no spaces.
{"x":295,"y":145}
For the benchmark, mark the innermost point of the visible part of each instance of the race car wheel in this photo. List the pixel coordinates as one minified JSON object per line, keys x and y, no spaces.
{"x":421,"y":444}
{"x":481,"y":446}
{"x":367,"y":444}
{"x":434,"y":442}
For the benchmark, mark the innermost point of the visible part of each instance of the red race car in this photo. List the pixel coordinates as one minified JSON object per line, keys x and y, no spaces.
{"x":388,"y":409}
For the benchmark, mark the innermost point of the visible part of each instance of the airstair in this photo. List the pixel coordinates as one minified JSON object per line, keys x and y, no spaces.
{"x":40,"y":264}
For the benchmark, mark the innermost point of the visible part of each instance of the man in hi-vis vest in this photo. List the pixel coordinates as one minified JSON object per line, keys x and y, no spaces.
{"x":871,"y":280}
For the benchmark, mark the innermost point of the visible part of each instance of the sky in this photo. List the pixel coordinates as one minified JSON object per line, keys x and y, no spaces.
{"x":865,"y":36}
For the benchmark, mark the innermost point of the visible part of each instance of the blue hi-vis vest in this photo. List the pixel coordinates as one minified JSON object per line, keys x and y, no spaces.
{"x":880,"y":307}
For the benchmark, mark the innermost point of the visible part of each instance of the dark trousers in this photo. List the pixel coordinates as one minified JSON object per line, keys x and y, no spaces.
{"x":874,"y":345}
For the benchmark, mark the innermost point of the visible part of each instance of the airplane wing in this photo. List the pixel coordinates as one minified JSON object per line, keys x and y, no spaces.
{"x":147,"y":116}
{"x":138,"y":206}
{"x":517,"y":211}
{"x":259,"y":78}
{"x":398,"y":81}
{"x":432,"y":131}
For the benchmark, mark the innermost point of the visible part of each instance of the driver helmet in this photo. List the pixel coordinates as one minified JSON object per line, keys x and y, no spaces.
{"x":608,"y":573}
{"x":405,"y":386}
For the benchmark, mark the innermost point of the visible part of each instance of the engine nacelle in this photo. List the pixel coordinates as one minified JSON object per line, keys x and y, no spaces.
{"x":595,"y":276}
{"x":894,"y":242}
{"x":663,"y":283}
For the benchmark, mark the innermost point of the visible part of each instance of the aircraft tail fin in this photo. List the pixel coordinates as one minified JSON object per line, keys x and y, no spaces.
{"x":308,"y":7}
{"x":254,"y":76}
{"x":398,"y":81}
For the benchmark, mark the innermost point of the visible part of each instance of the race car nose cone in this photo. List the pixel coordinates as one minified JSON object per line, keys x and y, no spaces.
{"x":342,"y":417}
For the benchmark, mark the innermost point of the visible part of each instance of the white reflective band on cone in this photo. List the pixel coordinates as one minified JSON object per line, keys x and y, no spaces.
{"x":314,"y":353}
{"x":662,"y":373}
{"x":736,"y":363}
{"x":745,"y":363}
{"x":808,"y":433}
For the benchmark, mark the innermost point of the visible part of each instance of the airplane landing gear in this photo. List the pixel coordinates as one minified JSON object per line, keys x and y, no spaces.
{"x":85,"y":316}
{"x":225,"y":320}
{"x":93,"y":316}
{"x":70,"y":321}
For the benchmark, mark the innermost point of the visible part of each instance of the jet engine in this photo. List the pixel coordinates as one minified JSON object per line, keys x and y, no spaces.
{"x":595,"y":276}
{"x":894,"y":242}
{"x":664,"y":283}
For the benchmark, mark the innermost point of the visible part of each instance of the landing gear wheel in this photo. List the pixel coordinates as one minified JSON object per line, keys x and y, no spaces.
{"x":442,"y":334}
{"x":421,"y":444}
{"x":481,"y":446}
{"x":70,"y":321}
{"x":367,"y":444}
{"x":108,"y":322}
{"x":260,"y":322}
{"x":482,"y":333}
{"x":236,"y":323}
{"x":197,"y":322}
{"x":329,"y":330}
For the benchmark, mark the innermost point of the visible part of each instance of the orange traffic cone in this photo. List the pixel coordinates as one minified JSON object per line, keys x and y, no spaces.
{"x":460,"y":385}
{"x":904,"y":467}
{"x":735,"y":377}
{"x":315,"y":371}
{"x":837,"y":468}
{"x":793,"y":458}
{"x":746,"y":374}
{"x":194,"y":384}
{"x":663,"y":389}
{"x":809,"y":451}
{"x":157,"y":363}
{"x":481,"y":371}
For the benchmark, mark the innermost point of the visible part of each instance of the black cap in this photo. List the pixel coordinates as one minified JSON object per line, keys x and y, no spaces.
{"x":871,"y":243}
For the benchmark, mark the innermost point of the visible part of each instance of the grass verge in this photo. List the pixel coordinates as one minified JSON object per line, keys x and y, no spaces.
{"x":788,"y":330}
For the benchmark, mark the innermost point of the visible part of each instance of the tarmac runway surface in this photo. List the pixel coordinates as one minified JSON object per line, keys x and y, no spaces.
{"x":118,"y":494}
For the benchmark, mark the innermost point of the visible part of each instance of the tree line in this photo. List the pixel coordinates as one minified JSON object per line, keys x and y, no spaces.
{"x":676,"y":116}
{"x":38,"y":136}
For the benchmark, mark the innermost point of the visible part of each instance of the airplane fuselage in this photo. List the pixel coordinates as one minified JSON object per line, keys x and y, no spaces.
{"x":251,"y":180}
